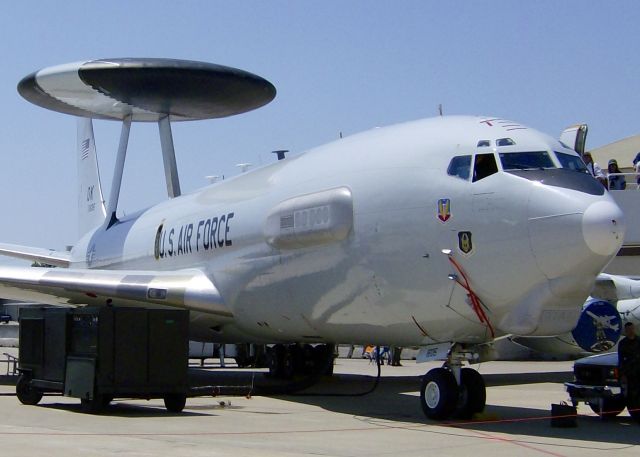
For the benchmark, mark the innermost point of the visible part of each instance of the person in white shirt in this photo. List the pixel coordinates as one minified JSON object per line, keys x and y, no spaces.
{"x":594,"y":169}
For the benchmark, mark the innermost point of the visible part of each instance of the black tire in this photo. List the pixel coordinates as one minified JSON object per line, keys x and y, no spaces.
{"x":611,"y":407}
{"x":242,"y":362}
{"x":26,"y":393}
{"x":94,"y":405}
{"x":106,"y":401}
{"x":243,"y":359}
{"x":634,"y":409}
{"x":439,"y":394}
{"x":274,"y":354}
{"x":323,"y":356}
{"x":175,"y":403}
{"x":472,"y":394}
{"x":280,"y":362}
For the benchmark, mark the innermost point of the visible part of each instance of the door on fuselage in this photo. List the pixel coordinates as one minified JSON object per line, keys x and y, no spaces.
{"x":470,"y":171}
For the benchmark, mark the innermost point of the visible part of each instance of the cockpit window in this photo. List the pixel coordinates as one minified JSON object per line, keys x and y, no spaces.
{"x":505,"y":142}
{"x":460,"y":166}
{"x":484,"y":165}
{"x":526,"y":160}
{"x":572,"y":162}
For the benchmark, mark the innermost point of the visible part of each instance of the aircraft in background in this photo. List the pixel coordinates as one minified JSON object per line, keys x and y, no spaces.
{"x":443,"y":233}
{"x":614,"y":301}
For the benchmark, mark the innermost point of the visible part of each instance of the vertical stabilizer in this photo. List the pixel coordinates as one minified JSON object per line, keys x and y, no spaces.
{"x":91,"y":209}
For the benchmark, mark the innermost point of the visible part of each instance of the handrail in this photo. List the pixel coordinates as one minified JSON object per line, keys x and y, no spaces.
{"x":12,"y":364}
{"x":632,"y":184}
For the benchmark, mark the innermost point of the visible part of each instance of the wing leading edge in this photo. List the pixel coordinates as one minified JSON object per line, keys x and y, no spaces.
{"x":189,"y":289}
{"x":48,"y":256}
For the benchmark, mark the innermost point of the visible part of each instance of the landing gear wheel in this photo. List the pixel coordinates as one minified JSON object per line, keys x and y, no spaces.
{"x":280,"y":362}
{"x":439,"y":394}
{"x":611,"y":407}
{"x":323,"y":356}
{"x":472,"y":394}
{"x":175,"y":403}
{"x":27,"y":394}
{"x":243,"y":359}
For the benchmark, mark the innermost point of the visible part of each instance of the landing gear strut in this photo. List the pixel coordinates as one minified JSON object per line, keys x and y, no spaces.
{"x":452,"y":391}
{"x":287,"y":361}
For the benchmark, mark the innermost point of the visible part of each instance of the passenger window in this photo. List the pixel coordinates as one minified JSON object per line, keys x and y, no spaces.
{"x":460,"y":167}
{"x":484,"y":165}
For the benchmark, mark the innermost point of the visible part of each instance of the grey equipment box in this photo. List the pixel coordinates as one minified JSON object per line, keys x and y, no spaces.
{"x":100,"y":353}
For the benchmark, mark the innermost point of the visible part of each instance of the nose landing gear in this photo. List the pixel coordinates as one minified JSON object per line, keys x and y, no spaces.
{"x":452,"y":391}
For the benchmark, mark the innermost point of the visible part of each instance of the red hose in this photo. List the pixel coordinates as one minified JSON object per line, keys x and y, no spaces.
{"x":476,"y":303}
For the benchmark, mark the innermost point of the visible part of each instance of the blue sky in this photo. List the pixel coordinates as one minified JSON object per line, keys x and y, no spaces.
{"x":338,"y":67}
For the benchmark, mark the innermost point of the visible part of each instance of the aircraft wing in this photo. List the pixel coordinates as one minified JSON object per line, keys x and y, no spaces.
{"x":48,"y":256}
{"x":189,"y":289}
{"x":613,"y":288}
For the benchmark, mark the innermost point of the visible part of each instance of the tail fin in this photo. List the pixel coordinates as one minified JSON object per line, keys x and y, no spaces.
{"x":91,"y":209}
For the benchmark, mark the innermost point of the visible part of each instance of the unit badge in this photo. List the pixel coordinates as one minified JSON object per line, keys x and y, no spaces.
{"x":464,"y":242}
{"x":444,"y":209}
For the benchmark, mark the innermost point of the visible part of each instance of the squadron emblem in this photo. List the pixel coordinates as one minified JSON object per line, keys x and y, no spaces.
{"x":444,"y":209}
{"x":464,"y":242}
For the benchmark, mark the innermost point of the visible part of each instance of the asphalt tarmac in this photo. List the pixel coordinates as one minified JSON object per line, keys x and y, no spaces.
{"x":388,"y":421}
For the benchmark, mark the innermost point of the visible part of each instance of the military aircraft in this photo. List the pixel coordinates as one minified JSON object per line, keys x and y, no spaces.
{"x":443,"y":233}
{"x":614,"y":300}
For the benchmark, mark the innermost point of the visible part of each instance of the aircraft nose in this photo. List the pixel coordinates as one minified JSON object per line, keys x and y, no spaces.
{"x":573,"y":235}
{"x":603,"y":228}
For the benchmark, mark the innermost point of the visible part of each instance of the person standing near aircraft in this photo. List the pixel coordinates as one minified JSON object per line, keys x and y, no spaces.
{"x":616,"y":182}
{"x":594,"y":169}
{"x":629,"y":365}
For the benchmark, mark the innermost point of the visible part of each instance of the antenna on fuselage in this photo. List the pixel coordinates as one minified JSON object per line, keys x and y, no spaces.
{"x":280,"y":153}
{"x":146,"y":90}
{"x":440,"y":109}
{"x":243,"y":166}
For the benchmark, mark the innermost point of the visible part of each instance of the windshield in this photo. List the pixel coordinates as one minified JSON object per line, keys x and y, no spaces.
{"x":572,"y":162}
{"x":535,"y":160}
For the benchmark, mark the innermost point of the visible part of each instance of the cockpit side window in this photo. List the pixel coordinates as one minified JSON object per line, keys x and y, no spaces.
{"x":484,"y":165}
{"x":571,"y":161}
{"x":460,"y":167}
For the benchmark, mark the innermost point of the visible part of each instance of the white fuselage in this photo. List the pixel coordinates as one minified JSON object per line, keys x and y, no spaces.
{"x":344,"y":243}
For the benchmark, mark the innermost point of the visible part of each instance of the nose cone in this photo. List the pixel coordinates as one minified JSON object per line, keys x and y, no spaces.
{"x":603,"y":228}
{"x":572,"y":233}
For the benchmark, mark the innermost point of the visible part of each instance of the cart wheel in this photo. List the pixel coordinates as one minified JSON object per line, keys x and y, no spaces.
{"x":175,"y":402}
{"x":27,"y":394}
{"x":106,"y":400}
{"x":95,"y":405}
